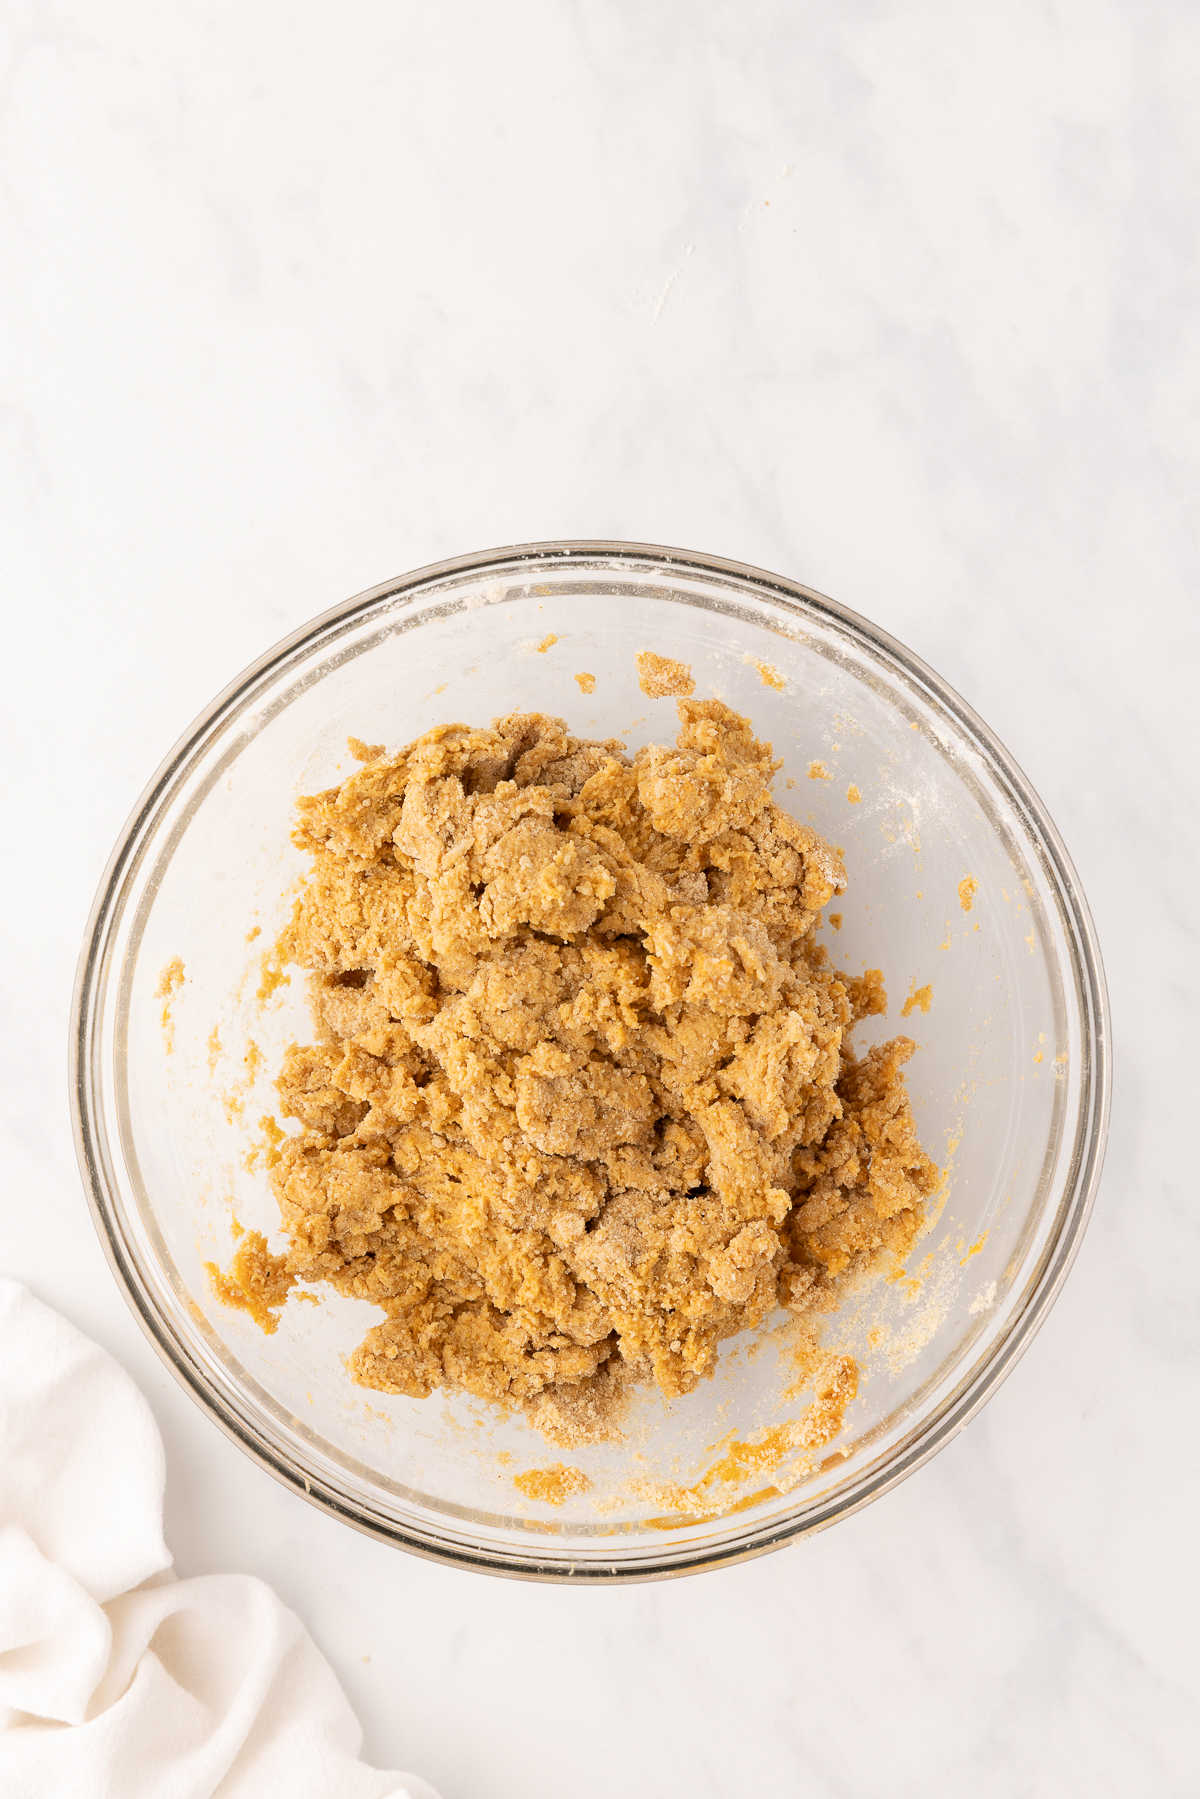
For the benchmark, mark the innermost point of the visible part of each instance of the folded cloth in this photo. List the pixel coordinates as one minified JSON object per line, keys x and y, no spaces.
{"x":117,"y":1680}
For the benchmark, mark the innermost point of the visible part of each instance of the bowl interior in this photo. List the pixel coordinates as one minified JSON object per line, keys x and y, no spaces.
{"x":177,"y":1084}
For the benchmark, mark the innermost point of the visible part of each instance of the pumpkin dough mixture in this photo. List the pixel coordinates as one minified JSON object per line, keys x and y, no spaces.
{"x":582,"y":1100}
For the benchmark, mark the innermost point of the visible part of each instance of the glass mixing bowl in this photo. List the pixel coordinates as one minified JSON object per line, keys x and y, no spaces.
{"x":1010,"y":1083}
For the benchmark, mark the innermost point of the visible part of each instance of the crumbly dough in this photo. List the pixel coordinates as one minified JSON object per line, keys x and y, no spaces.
{"x":581,"y":1101}
{"x":257,"y":1281}
{"x":662,"y":677}
{"x":919,"y":1000}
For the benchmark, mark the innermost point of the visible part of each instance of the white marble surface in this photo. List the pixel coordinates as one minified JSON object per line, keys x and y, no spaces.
{"x":899,"y":299}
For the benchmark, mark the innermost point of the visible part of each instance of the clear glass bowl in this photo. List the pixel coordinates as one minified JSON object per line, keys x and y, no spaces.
{"x":1010,"y":1084}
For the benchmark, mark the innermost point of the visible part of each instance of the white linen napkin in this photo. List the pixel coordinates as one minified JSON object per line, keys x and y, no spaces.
{"x":117,"y":1680}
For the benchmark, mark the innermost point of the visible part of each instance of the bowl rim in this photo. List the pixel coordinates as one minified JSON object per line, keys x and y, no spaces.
{"x":1075,"y":1203}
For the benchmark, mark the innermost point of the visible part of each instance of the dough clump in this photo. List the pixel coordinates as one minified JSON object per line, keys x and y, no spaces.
{"x":581,"y":1100}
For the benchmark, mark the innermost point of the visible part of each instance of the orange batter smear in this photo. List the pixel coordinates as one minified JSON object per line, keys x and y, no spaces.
{"x":266,"y":1149}
{"x":552,"y":1485}
{"x":169,"y":982}
{"x":974,"y":1249}
{"x":234,"y":1100}
{"x":765,"y":1453}
{"x":273,"y":975}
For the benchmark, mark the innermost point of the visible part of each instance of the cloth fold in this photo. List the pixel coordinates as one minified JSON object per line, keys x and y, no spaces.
{"x":118,"y":1680}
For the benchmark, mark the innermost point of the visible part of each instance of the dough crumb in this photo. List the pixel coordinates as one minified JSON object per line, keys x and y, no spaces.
{"x":868,"y":993}
{"x":919,"y":1000}
{"x":835,"y":921}
{"x":552,"y":1485}
{"x":585,"y":682}
{"x":853,"y":794}
{"x":257,"y":1282}
{"x":364,"y":752}
{"x":581,"y":1100}
{"x":968,"y":887}
{"x":548,"y":642}
{"x":661,"y":677}
{"x":768,"y":674}
{"x":817,"y":771}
